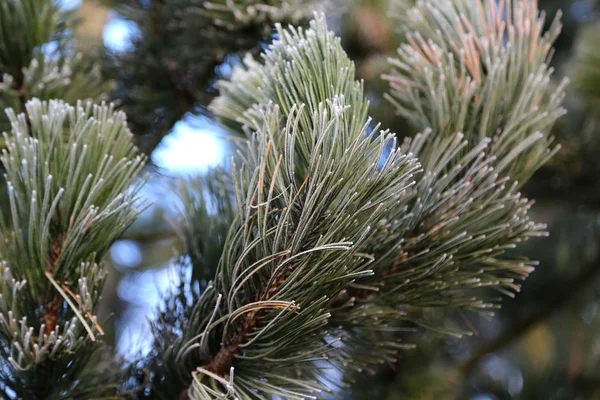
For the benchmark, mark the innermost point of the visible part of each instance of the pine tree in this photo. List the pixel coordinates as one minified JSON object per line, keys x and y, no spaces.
{"x":327,"y":238}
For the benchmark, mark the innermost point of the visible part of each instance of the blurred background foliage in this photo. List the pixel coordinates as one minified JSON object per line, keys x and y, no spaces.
{"x":543,"y":344}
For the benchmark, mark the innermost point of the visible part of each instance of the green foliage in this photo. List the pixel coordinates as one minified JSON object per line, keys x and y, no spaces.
{"x":327,"y":238}
{"x":68,"y":78}
{"x":177,"y":46}
{"x":374,"y":250}
{"x":458,"y":79}
{"x":466,"y":211}
{"x":233,"y":14}
{"x":467,"y":69}
{"x":435,"y":246}
{"x":25,"y":26}
{"x":69,"y":172}
{"x":38,"y":57}
{"x":310,"y":195}
{"x":463,"y":215}
{"x":207,"y":209}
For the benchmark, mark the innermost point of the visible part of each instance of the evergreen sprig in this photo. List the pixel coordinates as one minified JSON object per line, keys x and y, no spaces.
{"x":39,"y":57}
{"x":311,"y":195}
{"x":70,"y":173}
{"x":233,"y":13}
{"x":329,"y":238}
{"x":69,"y":78}
{"x":178,"y":44}
{"x":25,"y":26}
{"x":206,"y":211}
{"x":447,"y":237}
{"x":473,"y":76}
{"x":480,"y":68}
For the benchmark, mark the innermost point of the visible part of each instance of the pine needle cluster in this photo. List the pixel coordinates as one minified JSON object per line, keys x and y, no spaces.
{"x":475,"y":80}
{"x":326,"y":239}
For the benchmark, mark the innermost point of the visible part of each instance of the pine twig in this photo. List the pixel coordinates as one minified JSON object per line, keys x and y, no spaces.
{"x":22,"y":89}
{"x":50,"y":317}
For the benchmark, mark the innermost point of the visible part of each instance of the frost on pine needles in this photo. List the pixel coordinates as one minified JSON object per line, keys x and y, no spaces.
{"x":342,"y":237}
{"x":69,"y":176}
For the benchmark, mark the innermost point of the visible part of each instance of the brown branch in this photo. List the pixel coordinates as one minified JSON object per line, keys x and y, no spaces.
{"x":222,"y":361}
{"x":184,"y":395}
{"x":21,"y":88}
{"x":50,"y":316}
{"x":553,"y":303}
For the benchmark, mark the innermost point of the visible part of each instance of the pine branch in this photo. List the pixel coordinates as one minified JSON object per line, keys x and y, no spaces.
{"x":456,"y":75}
{"x":310,"y":194}
{"x":69,"y":172}
{"x":28,"y":69}
{"x":207,"y":209}
{"x":332,"y":248}
{"x":492,"y":58}
{"x":172,"y":63}
{"x":545,"y":309}
{"x":464,"y":211}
